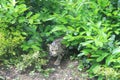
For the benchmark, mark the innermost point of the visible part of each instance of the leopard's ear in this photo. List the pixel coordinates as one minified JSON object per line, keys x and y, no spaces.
{"x":48,"y":45}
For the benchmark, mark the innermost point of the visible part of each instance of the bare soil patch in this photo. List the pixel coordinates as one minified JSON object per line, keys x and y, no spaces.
{"x":66,"y":71}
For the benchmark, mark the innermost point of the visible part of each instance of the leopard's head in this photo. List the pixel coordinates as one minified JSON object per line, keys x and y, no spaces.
{"x":53,"y":50}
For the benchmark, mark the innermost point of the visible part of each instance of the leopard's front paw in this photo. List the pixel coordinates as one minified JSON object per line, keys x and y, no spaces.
{"x":57,"y":63}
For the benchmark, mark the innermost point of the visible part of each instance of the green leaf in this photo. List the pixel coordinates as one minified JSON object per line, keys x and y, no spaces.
{"x":116,"y":50}
{"x":100,"y":78}
{"x":100,"y":58}
{"x":80,"y":54}
{"x":103,"y":3}
{"x":96,"y":68}
{"x":29,"y":14}
{"x":70,"y":28}
{"x":118,"y":66}
{"x":86,"y":51}
{"x":35,"y":47}
{"x":21,"y":20}
{"x":22,"y":8}
{"x":31,"y":21}
{"x":98,"y":43}
{"x":118,"y":4}
{"x":86,"y":42}
{"x":93,"y":67}
{"x":95,"y":55}
{"x":25,"y":47}
{"x":36,"y":16}
{"x":48,"y":19}
{"x":108,"y":60}
{"x":58,"y":28}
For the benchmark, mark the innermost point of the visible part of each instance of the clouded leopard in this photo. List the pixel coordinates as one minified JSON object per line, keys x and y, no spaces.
{"x":57,"y":49}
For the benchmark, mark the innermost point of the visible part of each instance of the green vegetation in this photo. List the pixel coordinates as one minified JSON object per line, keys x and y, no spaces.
{"x":90,"y":26}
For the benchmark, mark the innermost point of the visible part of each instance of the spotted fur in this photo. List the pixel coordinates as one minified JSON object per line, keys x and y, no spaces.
{"x":57,"y":49}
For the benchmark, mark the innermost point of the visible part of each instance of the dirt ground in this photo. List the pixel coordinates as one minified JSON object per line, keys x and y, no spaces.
{"x":66,"y":71}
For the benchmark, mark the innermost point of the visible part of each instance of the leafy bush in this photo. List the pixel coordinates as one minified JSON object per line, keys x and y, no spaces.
{"x":19,"y":36}
{"x":93,"y":28}
{"x":11,"y":32}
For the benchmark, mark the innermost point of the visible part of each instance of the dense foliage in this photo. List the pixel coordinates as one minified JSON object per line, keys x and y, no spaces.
{"x":90,"y":26}
{"x":21,"y":43}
